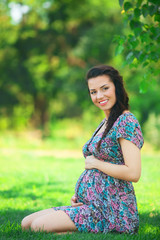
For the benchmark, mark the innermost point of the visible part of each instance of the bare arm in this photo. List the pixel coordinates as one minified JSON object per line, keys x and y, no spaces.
{"x":130,"y":171}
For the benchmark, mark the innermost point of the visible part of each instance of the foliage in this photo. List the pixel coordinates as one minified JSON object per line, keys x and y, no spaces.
{"x":142,"y":44}
{"x":152,"y":130}
{"x":34,"y":180}
{"x":44,"y":56}
{"x":142,"y":105}
{"x":45,"y":53}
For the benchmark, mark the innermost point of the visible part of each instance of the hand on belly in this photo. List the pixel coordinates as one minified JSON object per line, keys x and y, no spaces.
{"x":74,"y":202}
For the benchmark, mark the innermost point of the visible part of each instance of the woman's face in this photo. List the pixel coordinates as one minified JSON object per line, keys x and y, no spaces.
{"x":102,"y":92}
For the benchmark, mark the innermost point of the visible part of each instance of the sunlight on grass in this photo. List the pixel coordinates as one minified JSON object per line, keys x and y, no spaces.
{"x":32,"y":180}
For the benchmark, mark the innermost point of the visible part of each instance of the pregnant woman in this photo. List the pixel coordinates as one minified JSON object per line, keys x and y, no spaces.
{"x":104,"y":198}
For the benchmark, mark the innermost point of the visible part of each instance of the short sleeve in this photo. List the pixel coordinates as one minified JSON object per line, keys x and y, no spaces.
{"x":129,"y":128}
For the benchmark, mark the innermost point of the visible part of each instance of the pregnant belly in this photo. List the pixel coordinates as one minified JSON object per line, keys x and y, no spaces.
{"x":90,"y":186}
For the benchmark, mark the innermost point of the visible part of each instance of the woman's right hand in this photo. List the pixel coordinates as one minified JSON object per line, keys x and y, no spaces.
{"x":74,"y":202}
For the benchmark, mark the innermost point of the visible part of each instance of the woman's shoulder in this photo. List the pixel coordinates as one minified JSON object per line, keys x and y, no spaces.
{"x":128,"y":127}
{"x":126,"y":118}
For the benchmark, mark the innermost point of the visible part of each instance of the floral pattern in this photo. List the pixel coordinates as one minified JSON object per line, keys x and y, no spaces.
{"x":109,"y":204}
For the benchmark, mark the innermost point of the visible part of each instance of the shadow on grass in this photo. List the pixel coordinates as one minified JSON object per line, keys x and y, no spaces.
{"x":10,"y":228}
{"x":153,"y":221}
{"x":34,"y":190}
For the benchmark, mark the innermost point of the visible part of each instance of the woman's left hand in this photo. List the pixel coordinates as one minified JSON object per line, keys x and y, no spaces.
{"x":90,"y":162}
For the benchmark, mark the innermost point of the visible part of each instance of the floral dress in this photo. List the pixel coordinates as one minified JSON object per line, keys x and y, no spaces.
{"x":109,"y":204}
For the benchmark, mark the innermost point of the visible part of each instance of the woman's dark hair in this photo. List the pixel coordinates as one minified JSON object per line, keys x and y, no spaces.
{"x":122,"y":98}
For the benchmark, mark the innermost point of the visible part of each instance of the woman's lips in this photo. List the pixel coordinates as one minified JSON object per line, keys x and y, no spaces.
{"x":104,"y":102}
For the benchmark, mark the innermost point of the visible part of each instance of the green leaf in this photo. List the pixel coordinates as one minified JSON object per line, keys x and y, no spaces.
{"x":152,"y":9}
{"x":145,"y":37}
{"x":137,"y":31}
{"x":119,"y":39}
{"x":144,"y":86}
{"x":156,"y":72}
{"x":157,"y":17}
{"x":146,"y":26}
{"x":121,"y":2}
{"x":145,"y":10}
{"x":145,"y":64}
{"x":134,"y":64}
{"x":154,"y":2}
{"x":124,"y":63}
{"x":131,"y":37}
{"x":137,"y":53}
{"x":135,"y":24}
{"x":139,"y":2}
{"x":127,"y":6}
{"x":137,"y":12}
{"x":133,"y":41}
{"x":143,"y":56}
{"x":119,"y":50}
{"x":130,"y":17}
{"x":148,"y":47}
{"x":154,"y":56}
{"x":156,"y":32}
{"x":130,"y":54}
{"x":116,"y":39}
{"x":130,"y":57}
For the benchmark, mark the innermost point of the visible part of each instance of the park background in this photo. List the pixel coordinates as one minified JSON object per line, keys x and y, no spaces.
{"x":46,"y":115}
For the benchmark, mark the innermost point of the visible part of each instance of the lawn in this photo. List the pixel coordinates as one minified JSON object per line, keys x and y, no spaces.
{"x":33,"y":179}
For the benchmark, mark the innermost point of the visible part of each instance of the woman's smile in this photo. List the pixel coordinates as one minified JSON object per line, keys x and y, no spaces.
{"x":104,"y":102}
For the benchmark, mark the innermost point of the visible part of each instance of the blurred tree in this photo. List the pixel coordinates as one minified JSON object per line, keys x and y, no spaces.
{"x":142,"y":43}
{"x":142,"y":104}
{"x":8,"y":35}
{"x":44,"y":56}
{"x":46,"y":47}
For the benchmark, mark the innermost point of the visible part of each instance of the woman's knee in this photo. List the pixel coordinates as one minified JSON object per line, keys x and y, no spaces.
{"x":37,"y":225}
{"x":56,"y":221}
{"x":26,"y":223}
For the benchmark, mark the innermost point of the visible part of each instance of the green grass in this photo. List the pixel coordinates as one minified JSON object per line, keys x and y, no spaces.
{"x":31,"y":180}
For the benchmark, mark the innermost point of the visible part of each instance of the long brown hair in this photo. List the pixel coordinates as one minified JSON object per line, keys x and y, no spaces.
{"x":122,"y":99}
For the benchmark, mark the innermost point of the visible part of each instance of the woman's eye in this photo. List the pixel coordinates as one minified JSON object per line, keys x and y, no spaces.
{"x":93,"y":92}
{"x":105,"y":88}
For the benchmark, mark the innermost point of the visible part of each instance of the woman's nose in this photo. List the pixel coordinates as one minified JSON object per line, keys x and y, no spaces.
{"x":99,"y":94}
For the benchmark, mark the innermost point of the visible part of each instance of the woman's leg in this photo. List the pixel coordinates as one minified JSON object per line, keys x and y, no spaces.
{"x":53,"y":221}
{"x":27,"y":221}
{"x":48,"y":220}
